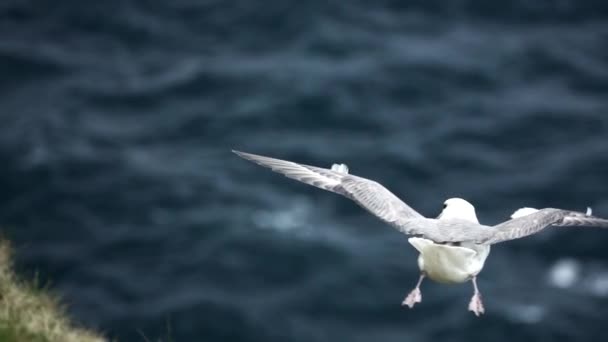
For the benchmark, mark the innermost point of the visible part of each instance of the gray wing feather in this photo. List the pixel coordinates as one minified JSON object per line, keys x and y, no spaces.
{"x":534,"y":223}
{"x":315,"y":176}
{"x":368,"y":194}
{"x":377,"y":199}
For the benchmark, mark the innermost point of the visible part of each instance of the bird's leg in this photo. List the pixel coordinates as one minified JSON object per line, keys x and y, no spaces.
{"x":414,"y":296}
{"x":475,"y":304}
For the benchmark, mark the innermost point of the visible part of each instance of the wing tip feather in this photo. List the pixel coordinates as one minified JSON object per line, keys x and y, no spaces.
{"x":249,"y":156}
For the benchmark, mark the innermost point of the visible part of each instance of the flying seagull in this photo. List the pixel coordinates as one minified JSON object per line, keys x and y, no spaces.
{"x":454,"y":246}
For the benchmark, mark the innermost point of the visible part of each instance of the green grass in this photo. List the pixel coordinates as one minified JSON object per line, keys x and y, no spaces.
{"x":28,"y":313}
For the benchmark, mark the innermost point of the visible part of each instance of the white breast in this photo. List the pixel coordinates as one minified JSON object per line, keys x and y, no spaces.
{"x":449,"y":264}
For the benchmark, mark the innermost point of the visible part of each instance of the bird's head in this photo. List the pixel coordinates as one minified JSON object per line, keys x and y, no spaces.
{"x":457,"y":208}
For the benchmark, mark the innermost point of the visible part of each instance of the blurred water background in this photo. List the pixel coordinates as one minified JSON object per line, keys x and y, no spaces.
{"x":119,"y":188}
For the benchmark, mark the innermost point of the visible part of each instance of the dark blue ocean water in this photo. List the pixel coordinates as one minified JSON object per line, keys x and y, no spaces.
{"x":118,"y":185}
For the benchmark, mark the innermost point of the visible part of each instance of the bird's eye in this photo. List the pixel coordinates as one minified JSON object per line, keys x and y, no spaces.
{"x":444,"y":205}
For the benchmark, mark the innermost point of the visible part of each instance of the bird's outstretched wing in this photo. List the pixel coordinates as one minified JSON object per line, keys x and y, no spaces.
{"x":366,"y":193}
{"x":535,"y":222}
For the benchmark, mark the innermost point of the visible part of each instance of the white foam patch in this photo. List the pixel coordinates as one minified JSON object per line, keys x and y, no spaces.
{"x":598,"y":285}
{"x":294,"y":217}
{"x":564,"y":273}
{"x":527,"y":313}
{"x":531,"y":313}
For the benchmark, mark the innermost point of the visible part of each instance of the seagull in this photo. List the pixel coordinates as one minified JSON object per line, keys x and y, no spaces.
{"x":454,"y":246}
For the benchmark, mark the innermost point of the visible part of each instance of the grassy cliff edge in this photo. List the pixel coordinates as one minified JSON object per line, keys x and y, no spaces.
{"x":29,"y":313}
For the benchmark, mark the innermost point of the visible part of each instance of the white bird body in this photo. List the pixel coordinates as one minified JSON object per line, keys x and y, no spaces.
{"x":449,"y":264}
